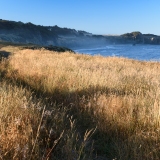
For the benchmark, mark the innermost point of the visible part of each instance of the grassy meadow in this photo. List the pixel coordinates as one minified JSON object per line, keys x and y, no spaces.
{"x":67,"y":106}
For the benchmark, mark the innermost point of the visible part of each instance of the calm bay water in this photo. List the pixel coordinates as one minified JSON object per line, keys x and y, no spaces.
{"x":138,"y":52}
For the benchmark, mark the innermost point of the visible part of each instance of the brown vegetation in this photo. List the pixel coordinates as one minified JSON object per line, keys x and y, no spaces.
{"x":72,"y":106}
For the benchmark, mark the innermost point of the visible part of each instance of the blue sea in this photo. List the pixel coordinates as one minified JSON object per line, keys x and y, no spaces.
{"x":138,"y":52}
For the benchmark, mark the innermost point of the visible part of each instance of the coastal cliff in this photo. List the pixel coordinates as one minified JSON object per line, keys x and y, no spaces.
{"x":28,"y":33}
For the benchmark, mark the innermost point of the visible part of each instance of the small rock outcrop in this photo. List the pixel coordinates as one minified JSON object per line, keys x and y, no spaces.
{"x":50,"y":48}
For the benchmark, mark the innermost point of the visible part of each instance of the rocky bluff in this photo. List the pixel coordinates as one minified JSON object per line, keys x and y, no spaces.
{"x":138,"y":37}
{"x":134,"y":38}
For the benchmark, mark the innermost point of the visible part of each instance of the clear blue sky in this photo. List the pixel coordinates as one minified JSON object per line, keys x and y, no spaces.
{"x":95,"y":16}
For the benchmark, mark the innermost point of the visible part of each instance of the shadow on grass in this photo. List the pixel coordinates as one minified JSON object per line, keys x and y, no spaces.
{"x":107,"y":143}
{"x":4,"y":54}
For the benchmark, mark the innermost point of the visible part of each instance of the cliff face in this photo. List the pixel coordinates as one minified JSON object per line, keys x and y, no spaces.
{"x":19,"y":32}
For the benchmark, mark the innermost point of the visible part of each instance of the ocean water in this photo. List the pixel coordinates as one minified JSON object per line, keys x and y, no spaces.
{"x":138,"y":52}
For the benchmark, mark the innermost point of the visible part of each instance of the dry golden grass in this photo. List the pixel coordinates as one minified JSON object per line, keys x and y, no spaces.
{"x":33,"y":128}
{"x":30,"y":130}
{"x":118,"y":96}
{"x":18,"y":122}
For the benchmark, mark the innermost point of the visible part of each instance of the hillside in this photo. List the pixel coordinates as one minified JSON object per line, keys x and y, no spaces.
{"x":19,"y":32}
{"x":28,"y":33}
{"x":61,"y":105}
